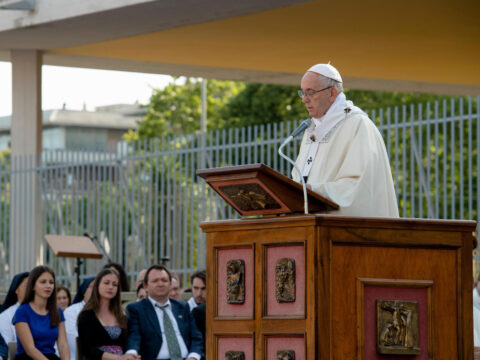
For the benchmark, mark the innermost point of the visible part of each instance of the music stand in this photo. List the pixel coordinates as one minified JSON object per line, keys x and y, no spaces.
{"x":79,"y":247}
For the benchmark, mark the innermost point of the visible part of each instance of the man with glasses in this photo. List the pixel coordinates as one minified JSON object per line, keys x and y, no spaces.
{"x":342,"y":155}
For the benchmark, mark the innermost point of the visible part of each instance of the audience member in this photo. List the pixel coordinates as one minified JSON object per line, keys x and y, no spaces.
{"x":102,"y":324}
{"x":140,"y":277}
{"x":71,"y":314}
{"x":19,"y":280}
{"x":141,"y":292}
{"x":476,"y":294}
{"x":64,"y":299}
{"x":159,"y":327}
{"x":199,"y":315}
{"x":39,"y":322}
{"x":3,"y":349}
{"x":124,"y":284}
{"x":14,"y":297}
{"x":175,"y":292}
{"x":199,"y":289}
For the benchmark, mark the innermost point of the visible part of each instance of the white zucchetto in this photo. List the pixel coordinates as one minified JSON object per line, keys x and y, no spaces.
{"x":326,"y":70}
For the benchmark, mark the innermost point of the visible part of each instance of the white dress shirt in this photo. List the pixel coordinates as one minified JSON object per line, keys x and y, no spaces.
{"x":476,"y":298}
{"x":71,"y":315}
{"x":164,"y":353}
{"x":7,"y":329}
{"x":192,"y":303}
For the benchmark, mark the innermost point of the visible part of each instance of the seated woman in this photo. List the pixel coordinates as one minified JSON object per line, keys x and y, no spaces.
{"x":102,"y":324}
{"x":14,"y":297}
{"x":38,"y":321}
{"x":64,"y":299}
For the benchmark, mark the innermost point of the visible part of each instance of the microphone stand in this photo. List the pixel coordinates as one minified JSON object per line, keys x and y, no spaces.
{"x":95,"y":241}
{"x":305,"y":198}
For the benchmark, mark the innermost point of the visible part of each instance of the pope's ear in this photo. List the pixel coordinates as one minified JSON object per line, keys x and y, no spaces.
{"x":334,"y":93}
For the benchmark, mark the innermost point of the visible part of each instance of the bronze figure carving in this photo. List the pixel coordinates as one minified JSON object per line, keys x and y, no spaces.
{"x":285,"y":355}
{"x":397,"y":327}
{"x":236,"y":281}
{"x":249,"y":197}
{"x":234,"y":355}
{"x":285,"y":280}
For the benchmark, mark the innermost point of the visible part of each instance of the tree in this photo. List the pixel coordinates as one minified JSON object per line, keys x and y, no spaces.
{"x":264,"y":103}
{"x":176,"y":109}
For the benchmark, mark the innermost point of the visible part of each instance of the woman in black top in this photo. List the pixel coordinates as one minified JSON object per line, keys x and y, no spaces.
{"x":102,"y":324}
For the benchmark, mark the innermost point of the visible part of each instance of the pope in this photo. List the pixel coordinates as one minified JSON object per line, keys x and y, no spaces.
{"x":342,"y":155}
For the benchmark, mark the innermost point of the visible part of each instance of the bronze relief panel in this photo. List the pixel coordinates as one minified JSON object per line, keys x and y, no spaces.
{"x":234,"y":355}
{"x":285,"y":355}
{"x":285,"y":280}
{"x":236,"y":281}
{"x":397,"y":327}
{"x":250,"y":197}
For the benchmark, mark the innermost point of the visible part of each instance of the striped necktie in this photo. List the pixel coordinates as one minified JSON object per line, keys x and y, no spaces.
{"x":172,"y":341}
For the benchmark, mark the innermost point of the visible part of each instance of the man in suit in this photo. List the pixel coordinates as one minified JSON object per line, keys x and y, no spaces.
{"x":159,"y":327}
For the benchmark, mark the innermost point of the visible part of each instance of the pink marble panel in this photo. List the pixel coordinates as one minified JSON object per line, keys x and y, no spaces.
{"x":296,"y":344}
{"x":296,"y":308}
{"x":371,"y":295}
{"x":244,"y":344}
{"x":244,"y":310}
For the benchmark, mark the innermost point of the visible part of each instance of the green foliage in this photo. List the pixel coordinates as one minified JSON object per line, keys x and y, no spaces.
{"x":369,"y":100}
{"x":5,"y":159}
{"x":176,"y":109}
{"x":263,"y":104}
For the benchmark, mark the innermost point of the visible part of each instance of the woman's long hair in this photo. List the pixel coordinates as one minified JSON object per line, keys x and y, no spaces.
{"x":52,"y":307}
{"x":115,"y":305}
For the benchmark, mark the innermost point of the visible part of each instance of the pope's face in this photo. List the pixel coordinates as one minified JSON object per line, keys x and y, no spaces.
{"x":317,"y":104}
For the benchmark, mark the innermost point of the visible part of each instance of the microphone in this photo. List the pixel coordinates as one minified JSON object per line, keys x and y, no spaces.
{"x":303,"y":125}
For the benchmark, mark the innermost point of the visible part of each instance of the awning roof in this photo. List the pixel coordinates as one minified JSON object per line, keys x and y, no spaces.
{"x":430,"y":45}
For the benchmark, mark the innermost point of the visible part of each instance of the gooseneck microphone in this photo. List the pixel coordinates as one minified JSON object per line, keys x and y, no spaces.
{"x":303,"y":125}
{"x":301,"y":128}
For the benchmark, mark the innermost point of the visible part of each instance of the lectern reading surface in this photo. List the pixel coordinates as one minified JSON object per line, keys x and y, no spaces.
{"x":73,"y":246}
{"x":259,"y":190}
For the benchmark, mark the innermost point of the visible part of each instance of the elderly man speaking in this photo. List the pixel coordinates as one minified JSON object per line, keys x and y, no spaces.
{"x":343,"y":156}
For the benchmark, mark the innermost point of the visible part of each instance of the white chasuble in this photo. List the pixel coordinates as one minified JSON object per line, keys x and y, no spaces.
{"x":351,"y":167}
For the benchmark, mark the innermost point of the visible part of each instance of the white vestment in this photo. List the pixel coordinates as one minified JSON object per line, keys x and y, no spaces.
{"x":71,"y":315}
{"x":351,"y":165}
{"x":7,"y":329}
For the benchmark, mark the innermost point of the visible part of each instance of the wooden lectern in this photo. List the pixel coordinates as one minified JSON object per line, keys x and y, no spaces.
{"x":327,"y":287}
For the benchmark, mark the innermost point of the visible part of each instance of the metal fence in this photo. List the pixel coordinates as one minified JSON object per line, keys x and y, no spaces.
{"x":144,"y":202}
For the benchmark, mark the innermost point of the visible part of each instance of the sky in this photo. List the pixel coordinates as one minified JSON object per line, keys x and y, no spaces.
{"x":76,"y":87}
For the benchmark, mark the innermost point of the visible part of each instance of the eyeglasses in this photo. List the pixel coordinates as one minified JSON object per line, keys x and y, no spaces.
{"x":310,"y":93}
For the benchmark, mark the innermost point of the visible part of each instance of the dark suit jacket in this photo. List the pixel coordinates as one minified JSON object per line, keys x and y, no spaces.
{"x":145,"y":335}
{"x":199,"y":315}
{"x":92,"y":334}
{"x":3,"y":348}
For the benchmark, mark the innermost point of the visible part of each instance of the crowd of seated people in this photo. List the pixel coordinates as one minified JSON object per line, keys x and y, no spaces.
{"x":40,"y":317}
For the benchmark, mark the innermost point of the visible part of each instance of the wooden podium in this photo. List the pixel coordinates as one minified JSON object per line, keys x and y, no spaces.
{"x":328,"y":287}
